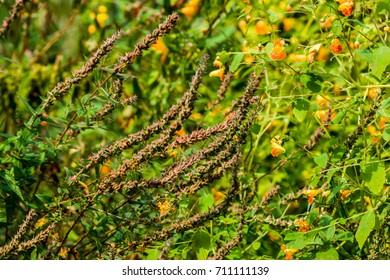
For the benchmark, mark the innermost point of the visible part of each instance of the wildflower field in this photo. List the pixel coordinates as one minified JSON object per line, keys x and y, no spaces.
{"x":254,"y":129}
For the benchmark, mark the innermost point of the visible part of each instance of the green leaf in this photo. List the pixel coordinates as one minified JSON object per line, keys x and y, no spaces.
{"x":272,"y":16}
{"x":312,"y":82}
{"x":153,"y":254}
{"x":32,"y":111}
{"x":386,"y":134}
{"x":300,"y":108}
{"x":202,"y":254}
{"x":205,"y":202}
{"x":340,"y":115}
{"x":236,"y":62}
{"x":330,"y":254}
{"x":366,"y":55}
{"x":380,"y":60}
{"x":255,"y":128}
{"x":383,"y":5}
{"x":338,"y":154}
{"x":10,"y":182}
{"x":330,"y":232}
{"x":374,"y":175}
{"x":344,"y":236}
{"x":201,"y":239}
{"x":366,"y":225}
{"x":321,"y":160}
{"x":256,"y":245}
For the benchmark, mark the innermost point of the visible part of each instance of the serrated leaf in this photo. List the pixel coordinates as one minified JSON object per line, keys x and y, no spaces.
{"x":321,"y":160}
{"x":366,"y":225}
{"x":236,"y":62}
{"x":374,"y":175}
{"x":330,"y":254}
{"x":312,"y":82}
{"x":300,"y":108}
{"x":380,"y":60}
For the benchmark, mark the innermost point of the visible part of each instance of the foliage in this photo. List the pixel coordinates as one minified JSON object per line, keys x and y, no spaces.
{"x":120,"y":139}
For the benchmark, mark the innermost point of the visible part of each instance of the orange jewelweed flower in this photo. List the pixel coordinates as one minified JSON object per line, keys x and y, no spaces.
{"x":288,"y":24}
{"x":335,"y":46}
{"x":217,"y":63}
{"x":323,"y":54}
{"x":289,"y":252}
{"x":322,"y":102}
{"x":263,"y":28}
{"x":302,"y":224}
{"x":373,"y":92}
{"x":346,"y":7}
{"x":345,"y":193}
{"x":218,"y":73}
{"x":161,"y":47}
{"x":298,"y":57}
{"x":190,"y":8}
{"x":217,"y":195}
{"x":382,"y":122}
{"x":277,"y":148}
{"x":277,"y":52}
{"x":311,"y":194}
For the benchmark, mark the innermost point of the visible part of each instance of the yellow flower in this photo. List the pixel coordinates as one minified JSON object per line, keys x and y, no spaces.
{"x":288,"y":24}
{"x":41,"y":222}
{"x":373,"y":92}
{"x":91,"y":29}
{"x":335,"y":46}
{"x":297,"y":57}
{"x":302,"y":224}
{"x":63,"y":253}
{"x":164,"y":208}
{"x":311,"y":194}
{"x":277,"y":148}
{"x":322,"y":102}
{"x":325,"y":193}
{"x":263,"y":28}
{"x":277,"y":52}
{"x":101,"y":18}
{"x":161,"y":47}
{"x":181,"y":132}
{"x":289,"y":252}
{"x":218,"y":73}
{"x":217,"y":195}
{"x":346,"y":7}
{"x":217,"y":63}
{"x":102,"y":9}
{"x":190,"y":8}
{"x":242,"y":26}
{"x":345,"y":193}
